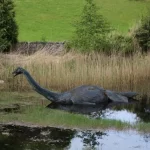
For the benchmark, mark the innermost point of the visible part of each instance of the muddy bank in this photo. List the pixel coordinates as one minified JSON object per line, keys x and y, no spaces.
{"x":33,"y":125}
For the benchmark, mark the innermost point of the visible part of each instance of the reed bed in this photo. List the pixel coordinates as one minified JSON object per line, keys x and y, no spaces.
{"x":60,"y":73}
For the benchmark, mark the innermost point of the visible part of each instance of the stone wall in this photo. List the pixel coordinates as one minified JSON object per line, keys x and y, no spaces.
{"x":32,"y":47}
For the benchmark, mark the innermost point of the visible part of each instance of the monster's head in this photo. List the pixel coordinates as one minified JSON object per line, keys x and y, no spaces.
{"x":18,"y":71}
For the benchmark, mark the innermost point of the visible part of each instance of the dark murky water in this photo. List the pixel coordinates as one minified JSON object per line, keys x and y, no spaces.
{"x":25,"y":138}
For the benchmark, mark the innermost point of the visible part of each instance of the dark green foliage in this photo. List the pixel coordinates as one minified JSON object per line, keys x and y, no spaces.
{"x":8,"y":26}
{"x":121,"y":43}
{"x":3,"y":42}
{"x":91,"y":30}
{"x":142,"y":34}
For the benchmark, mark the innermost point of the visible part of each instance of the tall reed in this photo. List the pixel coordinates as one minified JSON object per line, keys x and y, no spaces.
{"x":64,"y":72}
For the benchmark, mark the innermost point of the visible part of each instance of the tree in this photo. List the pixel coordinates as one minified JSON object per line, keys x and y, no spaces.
{"x":91,"y":30}
{"x":142,"y":33}
{"x":8,"y":26}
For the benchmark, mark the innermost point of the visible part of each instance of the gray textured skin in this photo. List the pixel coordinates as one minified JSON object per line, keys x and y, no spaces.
{"x":85,"y":94}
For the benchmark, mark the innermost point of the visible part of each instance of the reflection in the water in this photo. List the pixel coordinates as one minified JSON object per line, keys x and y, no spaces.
{"x":123,"y":115}
{"x":22,"y":138}
{"x":124,"y":140}
{"x":133,"y":112}
{"x":83,"y":109}
{"x":90,"y":138}
{"x":25,"y":138}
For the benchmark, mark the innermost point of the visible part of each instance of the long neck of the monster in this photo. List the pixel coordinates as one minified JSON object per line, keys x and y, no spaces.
{"x":46,"y":93}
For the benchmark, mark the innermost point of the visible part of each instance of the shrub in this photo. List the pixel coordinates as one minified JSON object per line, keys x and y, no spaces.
{"x":91,"y":30}
{"x":8,"y":26}
{"x":121,"y":44}
{"x":142,"y":33}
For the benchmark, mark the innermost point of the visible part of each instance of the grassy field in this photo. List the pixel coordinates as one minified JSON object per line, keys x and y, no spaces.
{"x":41,"y":20}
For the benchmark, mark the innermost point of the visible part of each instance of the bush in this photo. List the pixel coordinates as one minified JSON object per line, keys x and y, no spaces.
{"x":91,"y":30}
{"x":142,"y":33}
{"x":8,"y":26}
{"x":121,"y":43}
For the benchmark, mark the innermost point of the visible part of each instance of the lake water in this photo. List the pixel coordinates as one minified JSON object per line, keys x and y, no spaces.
{"x":26,"y":138}
{"x":36,"y":138}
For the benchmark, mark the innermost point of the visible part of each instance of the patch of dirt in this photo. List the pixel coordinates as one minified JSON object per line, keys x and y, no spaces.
{"x":10,"y":108}
{"x":31,"y":125}
{"x":13,"y":107}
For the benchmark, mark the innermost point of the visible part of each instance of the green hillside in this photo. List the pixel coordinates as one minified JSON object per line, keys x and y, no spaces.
{"x":51,"y":20}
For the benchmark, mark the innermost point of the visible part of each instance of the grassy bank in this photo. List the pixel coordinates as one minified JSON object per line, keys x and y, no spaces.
{"x":61,"y":73}
{"x":52,"y":20}
{"x":35,"y":113}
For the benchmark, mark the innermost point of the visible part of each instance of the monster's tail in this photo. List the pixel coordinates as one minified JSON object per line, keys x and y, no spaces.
{"x":129,"y":94}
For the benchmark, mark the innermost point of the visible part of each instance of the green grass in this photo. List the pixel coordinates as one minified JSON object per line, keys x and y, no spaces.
{"x":19,"y":98}
{"x":37,"y":114}
{"x":52,"y":20}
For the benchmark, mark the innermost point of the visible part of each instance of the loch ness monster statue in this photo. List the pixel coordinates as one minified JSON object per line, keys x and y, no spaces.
{"x":84,"y":94}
